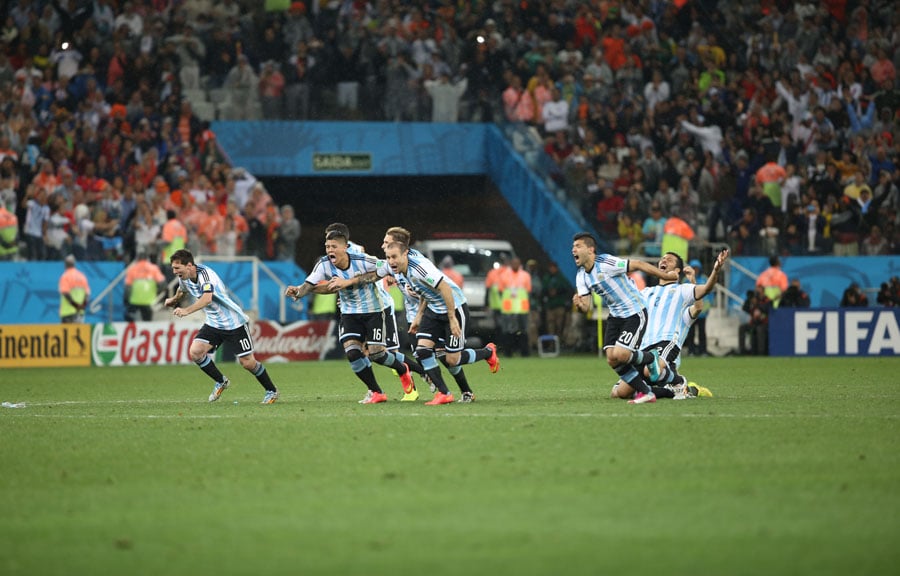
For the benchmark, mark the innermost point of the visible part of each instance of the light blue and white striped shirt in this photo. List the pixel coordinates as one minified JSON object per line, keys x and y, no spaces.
{"x":365,"y":299}
{"x":223,"y":312}
{"x":424,"y":277}
{"x":609,"y":278}
{"x":665,"y":312}
{"x":354,"y":248}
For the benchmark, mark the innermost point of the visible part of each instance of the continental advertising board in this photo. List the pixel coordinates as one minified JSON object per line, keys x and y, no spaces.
{"x":45,"y":345}
{"x":834,"y":332}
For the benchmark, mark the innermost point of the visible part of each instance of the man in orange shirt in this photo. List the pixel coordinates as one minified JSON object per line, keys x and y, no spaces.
{"x":143,"y":280}
{"x":74,"y":293}
{"x":450,"y":272}
{"x":773,"y":280}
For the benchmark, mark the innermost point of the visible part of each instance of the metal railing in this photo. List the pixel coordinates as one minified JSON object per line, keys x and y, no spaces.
{"x":257,"y":265}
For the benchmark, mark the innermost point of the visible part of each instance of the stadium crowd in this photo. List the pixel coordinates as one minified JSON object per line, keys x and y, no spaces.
{"x":771,"y":126}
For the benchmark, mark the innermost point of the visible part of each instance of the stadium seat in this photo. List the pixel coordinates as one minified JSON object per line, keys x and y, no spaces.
{"x":205,"y":111}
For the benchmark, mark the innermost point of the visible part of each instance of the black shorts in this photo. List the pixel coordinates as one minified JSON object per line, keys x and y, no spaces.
{"x":239,"y":338}
{"x":667,"y":349}
{"x":375,"y":329}
{"x":624,"y":332}
{"x":436,"y":327}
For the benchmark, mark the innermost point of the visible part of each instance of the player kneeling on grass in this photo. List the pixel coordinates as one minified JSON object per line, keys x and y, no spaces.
{"x":671,"y":309}
{"x":225,"y":322}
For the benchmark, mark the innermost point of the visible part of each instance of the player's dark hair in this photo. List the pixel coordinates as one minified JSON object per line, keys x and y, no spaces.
{"x":336,"y":234}
{"x":338,"y":227}
{"x":183,"y":257}
{"x":679,"y":261}
{"x":587,"y":238}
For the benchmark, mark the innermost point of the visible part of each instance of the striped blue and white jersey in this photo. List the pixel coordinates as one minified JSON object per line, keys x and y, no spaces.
{"x":354,"y":248}
{"x":609,"y":278}
{"x":424,"y":277}
{"x":666,"y":306}
{"x":411,"y":298}
{"x":223,"y":312}
{"x":365,"y":299}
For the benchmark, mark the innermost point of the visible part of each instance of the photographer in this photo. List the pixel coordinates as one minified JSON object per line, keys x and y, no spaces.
{"x":757,"y":306}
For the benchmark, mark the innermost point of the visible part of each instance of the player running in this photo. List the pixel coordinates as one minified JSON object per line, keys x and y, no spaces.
{"x":225,"y":322}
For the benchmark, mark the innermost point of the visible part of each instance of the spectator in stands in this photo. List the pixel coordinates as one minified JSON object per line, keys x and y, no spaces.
{"x":9,"y":234}
{"x":242,"y":82}
{"x":445,"y":96}
{"x":288,"y":234}
{"x":271,"y":91}
{"x":653,"y":230}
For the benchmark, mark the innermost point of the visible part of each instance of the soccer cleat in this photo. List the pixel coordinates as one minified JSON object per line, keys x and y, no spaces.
{"x":217,"y":391}
{"x":270,"y":397}
{"x":411,"y":397}
{"x":374,"y":398}
{"x":440,"y":398}
{"x":701,"y":391}
{"x":467,"y":398}
{"x":641,"y":398}
{"x":653,"y":366}
{"x":407,"y":381}
{"x":493,"y":361}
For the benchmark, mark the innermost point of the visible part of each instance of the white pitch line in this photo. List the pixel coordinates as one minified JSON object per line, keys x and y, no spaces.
{"x":452,"y":415}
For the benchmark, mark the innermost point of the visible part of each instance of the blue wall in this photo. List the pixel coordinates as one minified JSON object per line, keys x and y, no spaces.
{"x":396,"y":149}
{"x":29,"y":292}
{"x":824,"y":278}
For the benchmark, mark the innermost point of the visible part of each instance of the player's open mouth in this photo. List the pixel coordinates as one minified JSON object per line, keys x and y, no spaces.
{"x":332,"y":257}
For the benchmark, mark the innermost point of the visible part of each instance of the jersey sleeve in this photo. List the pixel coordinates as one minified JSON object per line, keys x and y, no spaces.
{"x":687,"y":293}
{"x":613,"y":265}
{"x":318,"y":274}
{"x":581,"y":286}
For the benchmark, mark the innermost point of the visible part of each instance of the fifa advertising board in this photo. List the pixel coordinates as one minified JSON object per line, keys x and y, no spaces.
{"x":45,"y":345}
{"x":132,"y":344}
{"x":834,"y":332}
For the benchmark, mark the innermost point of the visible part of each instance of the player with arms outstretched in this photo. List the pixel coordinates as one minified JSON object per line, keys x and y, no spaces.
{"x":607,"y":276}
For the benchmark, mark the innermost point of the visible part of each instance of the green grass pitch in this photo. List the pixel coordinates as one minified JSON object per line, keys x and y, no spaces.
{"x":792,"y":468}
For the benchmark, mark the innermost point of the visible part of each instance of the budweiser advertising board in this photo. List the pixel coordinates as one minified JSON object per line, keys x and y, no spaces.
{"x":129,"y":344}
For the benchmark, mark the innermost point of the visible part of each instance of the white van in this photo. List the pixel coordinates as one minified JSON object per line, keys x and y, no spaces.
{"x":472,"y":257}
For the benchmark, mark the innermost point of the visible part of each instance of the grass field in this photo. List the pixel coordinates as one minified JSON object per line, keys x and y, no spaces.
{"x":792,"y":468}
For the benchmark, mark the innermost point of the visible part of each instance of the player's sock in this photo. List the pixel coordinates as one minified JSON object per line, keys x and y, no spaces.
{"x":411,"y":362}
{"x":387,"y":358}
{"x":664,"y":375}
{"x":471,"y":356}
{"x":426,"y":357}
{"x":662,"y":392}
{"x":459,"y":376}
{"x":262,"y":376}
{"x":631,"y":376}
{"x":640,"y":358}
{"x":362,"y":367}
{"x":208,"y":366}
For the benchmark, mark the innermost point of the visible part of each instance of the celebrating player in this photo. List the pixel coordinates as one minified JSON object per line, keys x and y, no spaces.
{"x":443,"y":313}
{"x":225,"y":322}
{"x":366,"y":318}
{"x":608,"y":276}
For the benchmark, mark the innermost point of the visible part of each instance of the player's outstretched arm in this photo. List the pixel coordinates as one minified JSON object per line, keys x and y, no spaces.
{"x":703,"y":289}
{"x":652,"y":270}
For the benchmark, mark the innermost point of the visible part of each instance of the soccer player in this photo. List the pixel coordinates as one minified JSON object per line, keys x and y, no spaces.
{"x":225,"y":322}
{"x":412,"y":301}
{"x":607,"y":276}
{"x":393,"y":341}
{"x":367,"y":318}
{"x":443,"y":313}
{"x":670,"y":312}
